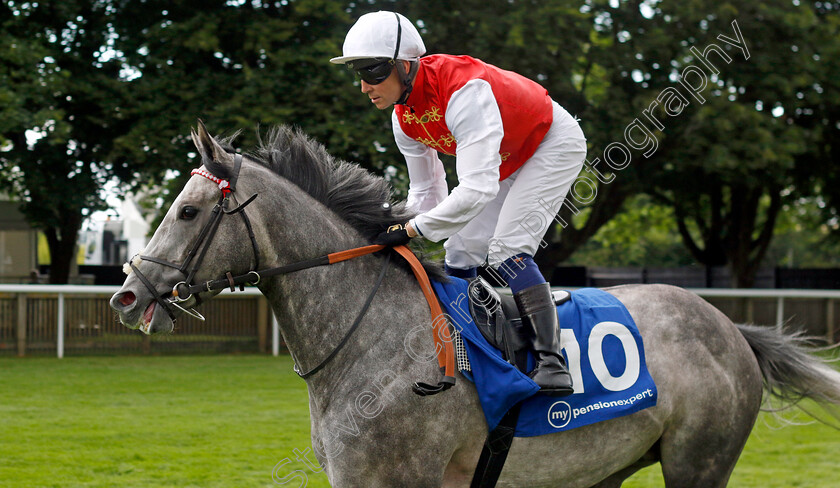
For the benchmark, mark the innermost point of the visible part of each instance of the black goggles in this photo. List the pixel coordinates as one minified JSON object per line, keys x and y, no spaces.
{"x":375,"y":73}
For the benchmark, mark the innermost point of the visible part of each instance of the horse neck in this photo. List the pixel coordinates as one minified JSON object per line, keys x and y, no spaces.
{"x":316,"y":307}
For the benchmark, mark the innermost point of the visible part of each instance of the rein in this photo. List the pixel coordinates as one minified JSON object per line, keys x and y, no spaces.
{"x":184,"y":290}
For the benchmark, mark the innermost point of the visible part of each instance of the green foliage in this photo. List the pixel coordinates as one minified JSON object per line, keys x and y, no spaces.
{"x":804,"y":238}
{"x":112,"y":89}
{"x":643,"y":234}
{"x":742,"y":145}
{"x":61,"y":112}
{"x":737,"y":158}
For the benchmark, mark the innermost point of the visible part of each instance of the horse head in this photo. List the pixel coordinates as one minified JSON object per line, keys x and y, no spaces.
{"x":199,"y":239}
{"x":310,"y":204}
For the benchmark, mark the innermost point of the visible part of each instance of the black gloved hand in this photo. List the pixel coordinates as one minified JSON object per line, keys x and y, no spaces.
{"x":396,"y":235}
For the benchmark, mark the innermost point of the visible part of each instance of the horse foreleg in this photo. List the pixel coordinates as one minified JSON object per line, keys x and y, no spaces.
{"x":461,"y":467}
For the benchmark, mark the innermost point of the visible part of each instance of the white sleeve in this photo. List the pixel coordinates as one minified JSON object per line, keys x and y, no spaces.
{"x":474,"y":119}
{"x":426,"y":176}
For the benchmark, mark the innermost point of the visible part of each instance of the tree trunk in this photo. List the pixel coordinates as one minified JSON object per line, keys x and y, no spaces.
{"x":727,"y":231}
{"x":62,"y":244}
{"x":748,"y":253}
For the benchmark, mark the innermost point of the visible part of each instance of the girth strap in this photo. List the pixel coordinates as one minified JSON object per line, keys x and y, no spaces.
{"x":495,"y":450}
{"x":499,"y":440}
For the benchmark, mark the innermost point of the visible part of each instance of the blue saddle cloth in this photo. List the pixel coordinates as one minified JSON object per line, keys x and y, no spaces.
{"x":603,"y":349}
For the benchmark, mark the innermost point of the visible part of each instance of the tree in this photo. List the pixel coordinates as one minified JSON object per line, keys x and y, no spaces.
{"x":583,"y":52}
{"x":741,"y":156}
{"x":643,"y":234}
{"x":64,"y":97}
{"x":803,"y":237}
{"x":100,"y":90}
{"x":818,"y":111}
{"x":109,"y":90}
{"x":703,"y":104}
{"x":727,"y":195}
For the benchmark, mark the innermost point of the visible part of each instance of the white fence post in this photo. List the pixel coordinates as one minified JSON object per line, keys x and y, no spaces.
{"x":780,"y":311}
{"x":275,"y":336}
{"x":21,"y":324}
{"x":59,"y":338}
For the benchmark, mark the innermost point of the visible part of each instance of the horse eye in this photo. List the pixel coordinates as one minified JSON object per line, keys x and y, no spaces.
{"x":188,"y":213}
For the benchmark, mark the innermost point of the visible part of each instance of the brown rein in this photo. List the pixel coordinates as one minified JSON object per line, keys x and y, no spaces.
{"x":184,"y":290}
{"x":444,"y":349}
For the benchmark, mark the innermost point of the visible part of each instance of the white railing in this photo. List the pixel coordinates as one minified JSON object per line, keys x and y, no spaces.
{"x":61,"y":290}
{"x":780,"y":295}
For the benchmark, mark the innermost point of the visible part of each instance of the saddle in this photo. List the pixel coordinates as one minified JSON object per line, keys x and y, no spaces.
{"x":498,"y":319}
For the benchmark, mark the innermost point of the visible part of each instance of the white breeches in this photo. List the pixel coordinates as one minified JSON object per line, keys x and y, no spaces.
{"x":518,"y":218}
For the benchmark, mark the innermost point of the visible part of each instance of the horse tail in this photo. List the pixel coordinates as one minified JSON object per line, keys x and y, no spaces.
{"x":790,"y":369}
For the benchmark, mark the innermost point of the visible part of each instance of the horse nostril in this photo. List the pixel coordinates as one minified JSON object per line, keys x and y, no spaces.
{"x":127,"y":298}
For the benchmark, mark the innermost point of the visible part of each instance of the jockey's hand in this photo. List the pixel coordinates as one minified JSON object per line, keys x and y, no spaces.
{"x":396,"y":235}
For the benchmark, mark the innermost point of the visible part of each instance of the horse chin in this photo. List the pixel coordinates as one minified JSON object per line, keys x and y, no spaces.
{"x":155,"y":320}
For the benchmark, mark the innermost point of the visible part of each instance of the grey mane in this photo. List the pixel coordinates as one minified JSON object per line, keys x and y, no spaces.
{"x":350,"y":191}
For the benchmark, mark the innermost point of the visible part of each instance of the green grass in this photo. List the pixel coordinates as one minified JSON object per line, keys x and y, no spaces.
{"x":202,"y":421}
{"x":776,"y":456}
{"x":227,"y":421}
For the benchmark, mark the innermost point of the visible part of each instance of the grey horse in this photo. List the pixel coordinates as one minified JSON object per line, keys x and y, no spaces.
{"x":368,"y":427}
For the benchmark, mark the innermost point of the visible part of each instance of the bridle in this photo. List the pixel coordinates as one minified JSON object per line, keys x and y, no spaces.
{"x":186,"y":289}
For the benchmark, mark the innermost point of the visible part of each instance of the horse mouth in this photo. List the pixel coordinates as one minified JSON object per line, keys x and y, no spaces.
{"x":148,"y":315}
{"x":154,"y":319}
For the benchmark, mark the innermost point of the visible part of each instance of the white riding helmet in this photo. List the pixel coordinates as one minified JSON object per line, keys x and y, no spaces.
{"x":377,"y":35}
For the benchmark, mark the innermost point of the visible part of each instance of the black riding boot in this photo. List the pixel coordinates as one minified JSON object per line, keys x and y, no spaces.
{"x":539,"y":317}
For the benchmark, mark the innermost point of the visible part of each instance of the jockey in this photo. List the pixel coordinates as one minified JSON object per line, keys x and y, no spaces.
{"x":517,"y":153}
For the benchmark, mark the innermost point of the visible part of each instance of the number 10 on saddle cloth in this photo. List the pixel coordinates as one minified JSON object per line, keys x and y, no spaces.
{"x":602,"y":346}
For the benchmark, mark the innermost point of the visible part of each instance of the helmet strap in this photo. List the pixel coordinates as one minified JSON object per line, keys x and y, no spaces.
{"x":407,"y":79}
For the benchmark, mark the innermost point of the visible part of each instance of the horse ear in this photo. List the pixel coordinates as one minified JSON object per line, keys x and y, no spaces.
{"x":213,"y":156}
{"x":209,"y":149}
